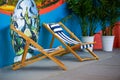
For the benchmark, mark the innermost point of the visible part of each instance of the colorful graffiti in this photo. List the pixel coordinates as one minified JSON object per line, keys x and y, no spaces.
{"x":26,"y":19}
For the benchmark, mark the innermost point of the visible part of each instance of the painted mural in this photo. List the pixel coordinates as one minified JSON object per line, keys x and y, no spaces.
{"x":26,"y":19}
{"x":9,"y":5}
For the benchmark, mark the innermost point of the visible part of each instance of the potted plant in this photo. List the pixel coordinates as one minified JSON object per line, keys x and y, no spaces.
{"x":108,"y":15}
{"x":86,"y":11}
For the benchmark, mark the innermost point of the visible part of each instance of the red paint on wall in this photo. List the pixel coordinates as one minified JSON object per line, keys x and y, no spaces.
{"x":98,"y":40}
{"x":116,"y":33}
{"x":5,"y":12}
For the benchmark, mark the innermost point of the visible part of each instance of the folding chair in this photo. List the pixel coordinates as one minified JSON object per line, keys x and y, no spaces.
{"x":71,"y":43}
{"x":49,"y":53}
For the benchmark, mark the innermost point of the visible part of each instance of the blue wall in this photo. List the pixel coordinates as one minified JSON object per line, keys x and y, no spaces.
{"x":50,"y":17}
{"x":6,"y":50}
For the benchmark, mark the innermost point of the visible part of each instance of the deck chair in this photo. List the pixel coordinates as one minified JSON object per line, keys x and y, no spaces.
{"x":71,"y":43}
{"x":49,"y":53}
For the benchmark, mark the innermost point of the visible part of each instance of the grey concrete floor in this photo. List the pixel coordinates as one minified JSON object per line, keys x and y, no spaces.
{"x":106,"y":68}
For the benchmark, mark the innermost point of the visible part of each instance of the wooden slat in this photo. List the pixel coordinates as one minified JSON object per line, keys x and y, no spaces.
{"x":52,"y":41}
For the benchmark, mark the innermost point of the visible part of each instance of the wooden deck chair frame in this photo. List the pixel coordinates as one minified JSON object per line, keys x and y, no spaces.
{"x":71,"y":49}
{"x":41,"y":56}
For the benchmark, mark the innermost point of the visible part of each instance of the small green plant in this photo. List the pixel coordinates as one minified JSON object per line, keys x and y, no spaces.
{"x":91,"y":12}
{"x":85,"y":10}
{"x":109,"y":13}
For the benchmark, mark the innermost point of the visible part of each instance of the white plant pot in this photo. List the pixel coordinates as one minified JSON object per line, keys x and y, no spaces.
{"x":107,"y":43}
{"x":88,"y":39}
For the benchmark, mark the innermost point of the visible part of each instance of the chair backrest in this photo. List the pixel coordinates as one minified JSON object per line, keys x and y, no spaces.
{"x":57,"y":29}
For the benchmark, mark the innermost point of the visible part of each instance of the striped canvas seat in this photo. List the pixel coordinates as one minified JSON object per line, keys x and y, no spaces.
{"x":46,"y":50}
{"x":57,"y":29}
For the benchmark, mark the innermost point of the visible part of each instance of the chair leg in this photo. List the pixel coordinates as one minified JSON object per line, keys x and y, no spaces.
{"x":93,"y":54}
{"x":52,"y":41}
{"x":39,"y":57}
{"x":18,"y":65}
{"x":25,"y":52}
{"x":58,"y":62}
{"x":82,"y":59}
{"x":76,"y":55}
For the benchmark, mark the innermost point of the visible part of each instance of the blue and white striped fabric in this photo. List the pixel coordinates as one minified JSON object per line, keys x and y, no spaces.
{"x":57,"y":29}
{"x":86,"y":46}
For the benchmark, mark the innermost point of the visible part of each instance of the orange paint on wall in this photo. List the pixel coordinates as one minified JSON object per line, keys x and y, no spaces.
{"x":52,"y":7}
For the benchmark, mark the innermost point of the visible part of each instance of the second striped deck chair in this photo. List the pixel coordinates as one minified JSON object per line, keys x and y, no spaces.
{"x":71,"y":43}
